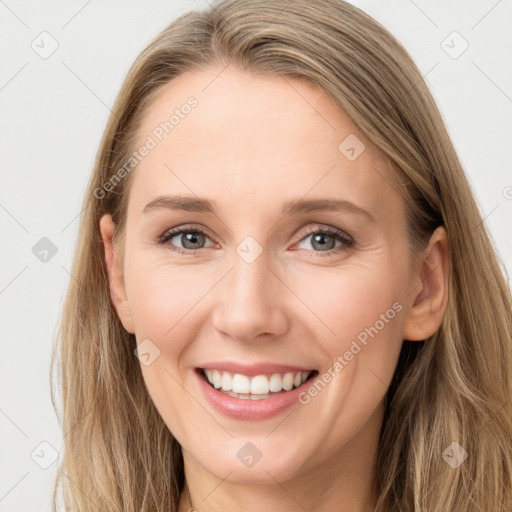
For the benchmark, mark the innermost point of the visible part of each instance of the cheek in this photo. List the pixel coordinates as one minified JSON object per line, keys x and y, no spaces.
{"x":346,"y":302}
{"x":165,"y":300}
{"x":162,"y":299}
{"x":357,"y":324}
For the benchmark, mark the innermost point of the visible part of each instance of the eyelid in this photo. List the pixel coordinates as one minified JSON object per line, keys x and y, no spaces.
{"x":331,"y":230}
{"x":185,"y":227}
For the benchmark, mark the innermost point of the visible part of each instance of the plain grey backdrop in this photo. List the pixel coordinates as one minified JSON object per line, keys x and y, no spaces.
{"x":62,"y":64}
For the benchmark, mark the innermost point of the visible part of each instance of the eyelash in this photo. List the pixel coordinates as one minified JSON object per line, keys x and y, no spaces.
{"x":346,"y":241}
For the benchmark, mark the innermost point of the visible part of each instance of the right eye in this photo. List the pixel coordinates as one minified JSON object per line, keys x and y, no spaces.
{"x":191,"y":240}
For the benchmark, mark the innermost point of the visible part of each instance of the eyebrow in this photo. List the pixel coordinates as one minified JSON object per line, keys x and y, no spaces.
{"x":194,"y":204}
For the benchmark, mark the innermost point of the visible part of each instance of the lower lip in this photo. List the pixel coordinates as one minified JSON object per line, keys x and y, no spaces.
{"x":247,"y":409}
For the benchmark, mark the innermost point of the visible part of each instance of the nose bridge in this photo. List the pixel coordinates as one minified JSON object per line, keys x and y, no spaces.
{"x":248,"y":303}
{"x":250,"y":275}
{"x":250,"y":280}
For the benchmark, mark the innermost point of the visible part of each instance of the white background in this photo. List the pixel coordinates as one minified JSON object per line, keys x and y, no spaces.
{"x":53,"y":114}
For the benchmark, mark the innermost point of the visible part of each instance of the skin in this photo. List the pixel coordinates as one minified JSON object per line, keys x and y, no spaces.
{"x":251,"y":144}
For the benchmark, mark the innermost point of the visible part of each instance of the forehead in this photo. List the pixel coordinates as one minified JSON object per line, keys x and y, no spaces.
{"x":233,"y":133}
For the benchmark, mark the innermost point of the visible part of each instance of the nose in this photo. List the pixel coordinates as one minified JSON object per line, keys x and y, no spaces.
{"x":251,"y":302}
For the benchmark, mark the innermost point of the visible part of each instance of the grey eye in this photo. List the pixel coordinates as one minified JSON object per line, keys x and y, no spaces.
{"x":190,"y":240}
{"x":320,"y":241}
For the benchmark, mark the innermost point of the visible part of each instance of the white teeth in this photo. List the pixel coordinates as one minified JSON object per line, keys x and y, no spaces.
{"x":288,"y":381}
{"x":241,"y":384}
{"x":227,"y":381}
{"x":258,"y":387}
{"x":216,"y":379}
{"x":247,"y":397}
{"x":275,"y":383}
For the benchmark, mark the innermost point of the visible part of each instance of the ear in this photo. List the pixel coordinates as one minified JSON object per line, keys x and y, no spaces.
{"x":115,"y":273}
{"x":429,"y":294}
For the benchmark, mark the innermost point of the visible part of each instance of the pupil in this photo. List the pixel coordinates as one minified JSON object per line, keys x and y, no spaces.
{"x":191,"y":238}
{"x":318,"y":239}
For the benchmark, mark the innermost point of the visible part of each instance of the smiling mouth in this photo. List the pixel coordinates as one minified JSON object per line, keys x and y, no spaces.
{"x":258,"y":387}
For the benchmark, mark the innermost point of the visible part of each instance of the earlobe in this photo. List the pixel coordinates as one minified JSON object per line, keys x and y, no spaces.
{"x":115,"y":273}
{"x":429,"y":294}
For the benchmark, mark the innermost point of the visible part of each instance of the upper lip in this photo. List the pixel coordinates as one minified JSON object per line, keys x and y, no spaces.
{"x":253,"y":369}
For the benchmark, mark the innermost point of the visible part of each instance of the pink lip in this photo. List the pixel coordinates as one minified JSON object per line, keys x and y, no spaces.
{"x":263,"y":368}
{"x":247,"y":409}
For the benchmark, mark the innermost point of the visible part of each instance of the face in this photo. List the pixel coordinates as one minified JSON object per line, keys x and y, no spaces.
{"x":265,"y":249}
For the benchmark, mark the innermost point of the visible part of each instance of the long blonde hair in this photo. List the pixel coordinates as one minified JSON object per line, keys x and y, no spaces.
{"x":456,"y":388}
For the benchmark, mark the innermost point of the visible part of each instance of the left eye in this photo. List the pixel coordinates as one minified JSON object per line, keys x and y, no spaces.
{"x":324,"y":240}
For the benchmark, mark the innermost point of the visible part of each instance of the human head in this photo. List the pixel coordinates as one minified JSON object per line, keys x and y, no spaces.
{"x":363,"y":70}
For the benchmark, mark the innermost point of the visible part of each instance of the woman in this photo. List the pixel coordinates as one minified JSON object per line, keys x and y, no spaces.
{"x":285,"y":296}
